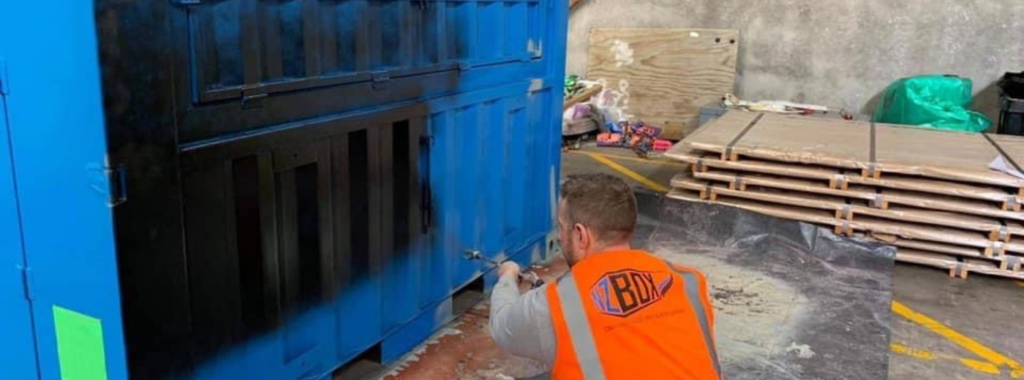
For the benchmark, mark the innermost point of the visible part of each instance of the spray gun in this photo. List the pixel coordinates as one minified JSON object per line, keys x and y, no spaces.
{"x":527,"y":275}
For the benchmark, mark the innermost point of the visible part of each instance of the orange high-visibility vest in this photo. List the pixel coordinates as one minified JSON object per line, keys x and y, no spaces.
{"x":631,"y":315}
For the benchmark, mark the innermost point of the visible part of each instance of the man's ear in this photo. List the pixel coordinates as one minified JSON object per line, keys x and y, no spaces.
{"x":584,"y":235}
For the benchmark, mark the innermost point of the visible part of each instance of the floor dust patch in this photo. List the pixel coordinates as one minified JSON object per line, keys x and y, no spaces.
{"x":753,"y":312}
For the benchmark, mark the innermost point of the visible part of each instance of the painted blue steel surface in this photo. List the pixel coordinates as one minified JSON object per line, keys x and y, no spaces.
{"x":57,"y":136}
{"x":17,"y":353}
{"x":493,"y":167}
{"x":353,"y":54}
{"x":491,"y":175}
{"x":409,"y":297}
{"x":483,"y":157}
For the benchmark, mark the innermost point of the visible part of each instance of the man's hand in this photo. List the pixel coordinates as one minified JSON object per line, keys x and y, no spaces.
{"x":508,"y":268}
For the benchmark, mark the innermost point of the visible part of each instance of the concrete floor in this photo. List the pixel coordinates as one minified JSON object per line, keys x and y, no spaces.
{"x":942,"y":328}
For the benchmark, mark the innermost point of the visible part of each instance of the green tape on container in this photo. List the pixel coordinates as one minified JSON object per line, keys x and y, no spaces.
{"x":79,"y":345}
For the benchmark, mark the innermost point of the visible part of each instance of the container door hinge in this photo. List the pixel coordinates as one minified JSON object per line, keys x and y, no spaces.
{"x":110,"y":181}
{"x":118,"y":185}
{"x":26,"y":281}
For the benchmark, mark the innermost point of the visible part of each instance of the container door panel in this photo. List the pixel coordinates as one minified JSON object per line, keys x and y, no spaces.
{"x":514,"y":180}
{"x":403,"y":232}
{"x":65,"y":194}
{"x":444,"y":218}
{"x":540,"y":164}
{"x":492,"y":141}
{"x":214,"y":246}
{"x":358,"y":199}
{"x":305,"y":259}
{"x":469,"y":196}
{"x":17,"y":354}
{"x":261,"y":262}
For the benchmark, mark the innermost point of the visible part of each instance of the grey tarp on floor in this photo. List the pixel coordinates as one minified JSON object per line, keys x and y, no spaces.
{"x":792,"y":301}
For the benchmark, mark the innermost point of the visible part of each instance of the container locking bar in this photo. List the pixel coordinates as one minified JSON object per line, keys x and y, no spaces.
{"x":426,"y":194}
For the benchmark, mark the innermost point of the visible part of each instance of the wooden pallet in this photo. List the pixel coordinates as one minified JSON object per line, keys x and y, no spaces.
{"x":1007,"y":262}
{"x":871,"y":148}
{"x":887,"y":204}
{"x":805,"y":213}
{"x":838,"y":178}
{"x":958,"y":267}
{"x":791,"y":181}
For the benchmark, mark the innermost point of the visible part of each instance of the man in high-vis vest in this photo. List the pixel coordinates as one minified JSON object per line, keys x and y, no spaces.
{"x":618,"y":313}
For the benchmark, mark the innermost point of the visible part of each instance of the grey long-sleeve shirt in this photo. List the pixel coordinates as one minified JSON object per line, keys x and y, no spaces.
{"x":521,"y":324}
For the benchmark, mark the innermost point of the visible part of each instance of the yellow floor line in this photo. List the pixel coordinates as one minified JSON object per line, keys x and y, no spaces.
{"x":628,"y":173}
{"x":1021,"y":283}
{"x":993,"y":357}
{"x":912,"y":352}
{"x":925,"y":355}
{"x":652,"y":161}
{"x":980,"y":366}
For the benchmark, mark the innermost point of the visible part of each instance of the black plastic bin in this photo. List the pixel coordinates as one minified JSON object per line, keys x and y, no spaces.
{"x":1011,"y":116}
{"x":1011,"y":101}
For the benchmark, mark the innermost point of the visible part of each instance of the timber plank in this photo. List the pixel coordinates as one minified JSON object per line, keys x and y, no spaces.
{"x":881,"y":197}
{"x":837,"y":177}
{"x":874,"y":148}
{"x":901,"y":229}
{"x":852,"y":210}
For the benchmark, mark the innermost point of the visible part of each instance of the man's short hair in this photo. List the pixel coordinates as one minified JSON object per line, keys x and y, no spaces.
{"x":603,"y":203}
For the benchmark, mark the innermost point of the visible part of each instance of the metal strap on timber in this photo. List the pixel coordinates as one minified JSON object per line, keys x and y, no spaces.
{"x":727,"y":155}
{"x":1011,"y":263}
{"x":841,"y":181}
{"x":872,"y":155}
{"x":846,"y":212}
{"x":1004,"y":233}
{"x":879,"y":200}
{"x":1002,"y":152}
{"x":998,"y":248}
{"x":960,"y":270}
{"x":737,"y":183}
{"x":844,"y":227}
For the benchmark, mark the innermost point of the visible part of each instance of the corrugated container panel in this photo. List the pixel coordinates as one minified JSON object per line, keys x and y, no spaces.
{"x":360,"y":223}
{"x":257,"y":63}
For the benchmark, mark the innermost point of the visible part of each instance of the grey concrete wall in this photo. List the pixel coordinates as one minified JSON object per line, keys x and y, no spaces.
{"x":840,"y":53}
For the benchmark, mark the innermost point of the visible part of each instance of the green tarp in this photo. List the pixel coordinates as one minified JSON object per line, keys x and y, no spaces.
{"x":931,"y":101}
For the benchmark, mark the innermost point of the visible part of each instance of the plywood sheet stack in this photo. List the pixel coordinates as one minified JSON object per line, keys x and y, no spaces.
{"x":930,"y":193}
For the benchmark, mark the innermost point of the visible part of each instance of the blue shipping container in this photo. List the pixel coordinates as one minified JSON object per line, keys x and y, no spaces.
{"x":272,"y":189}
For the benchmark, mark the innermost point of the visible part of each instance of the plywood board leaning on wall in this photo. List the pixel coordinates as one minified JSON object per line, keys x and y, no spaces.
{"x":665,"y":75}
